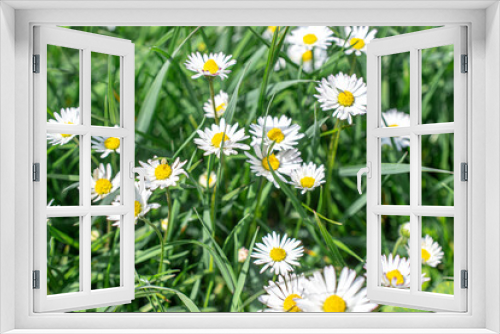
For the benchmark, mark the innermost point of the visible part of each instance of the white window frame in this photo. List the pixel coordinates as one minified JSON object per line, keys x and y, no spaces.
{"x":484,"y":103}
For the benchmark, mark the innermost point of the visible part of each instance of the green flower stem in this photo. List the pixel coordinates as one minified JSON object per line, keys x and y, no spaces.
{"x":332,"y":152}
{"x":396,"y":246}
{"x":158,"y":233}
{"x":212,"y":98}
{"x":253,"y":225}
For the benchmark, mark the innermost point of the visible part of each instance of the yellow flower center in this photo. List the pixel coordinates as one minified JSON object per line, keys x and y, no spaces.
{"x":276,"y":135}
{"x":393,"y":125}
{"x":395,"y":274}
{"x":163,"y":171}
{"x":425,"y":255}
{"x":334,"y":304}
{"x":137,"y":208}
{"x":345,"y":98}
{"x":211,"y":66}
{"x":277,"y":254}
{"x":307,"y":182}
{"x":273,"y":162}
{"x":220,"y":107}
{"x":217,"y":139}
{"x":112,"y":143}
{"x":64,"y":135}
{"x":357,"y":43}
{"x":103,"y":186}
{"x":289,"y":305}
{"x":310,"y":39}
{"x":272,"y":28}
{"x":307,"y":56}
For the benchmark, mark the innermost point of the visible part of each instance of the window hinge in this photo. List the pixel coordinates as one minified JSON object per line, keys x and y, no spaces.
{"x":465,"y":279}
{"x":36,"y":63}
{"x":465,"y":64}
{"x":36,"y":279}
{"x":36,"y":172}
{"x":464,"y":171}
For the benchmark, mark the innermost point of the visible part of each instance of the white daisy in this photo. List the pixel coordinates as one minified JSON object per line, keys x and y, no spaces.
{"x":343,"y":93}
{"x":277,"y":132}
{"x":141,"y":205}
{"x":269,"y":32}
{"x":308,"y":176}
{"x":278,"y":254}
{"x":212,"y":65}
{"x":242,"y":254}
{"x":102,"y":183}
{"x":394,"y":118}
{"x":202,"y":180}
{"x":211,"y":139}
{"x":283,"y":163}
{"x":301,"y":55}
{"x":106,"y":145}
{"x":359,"y":37}
{"x":68,"y":116}
{"x":324,"y":295}
{"x":281,"y":295}
{"x":159,"y":174}
{"x":396,"y":272}
{"x":221,"y":101}
{"x":280,"y":64}
{"x":310,"y":37}
{"x":432,"y":253}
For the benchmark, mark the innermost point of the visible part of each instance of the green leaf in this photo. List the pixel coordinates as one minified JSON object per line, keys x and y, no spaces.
{"x":191,"y":306}
{"x":231,"y":107}
{"x":332,"y":247}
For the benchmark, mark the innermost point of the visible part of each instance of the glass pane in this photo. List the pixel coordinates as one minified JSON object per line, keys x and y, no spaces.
{"x":105,"y":182}
{"x":395,"y":178}
{"x":105,"y":262}
{"x":395,"y":263}
{"x":105,"y":86}
{"x":395,"y":89}
{"x":63,"y":85}
{"x":437,"y":169}
{"x":437,"y":84}
{"x":63,"y":255}
{"x":437,"y":254}
{"x":63,"y":169}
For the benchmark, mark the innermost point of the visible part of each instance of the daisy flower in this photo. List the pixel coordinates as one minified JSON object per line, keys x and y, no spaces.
{"x":66,"y":117}
{"x":280,"y":64}
{"x":281,"y":295}
{"x":325,"y":295}
{"x":432,"y":253}
{"x":343,"y":93}
{"x":221,"y":101}
{"x":396,"y":272}
{"x":106,"y":145}
{"x":141,"y":205}
{"x":394,"y":118}
{"x":159,"y":174}
{"x":242,"y":254}
{"x":310,"y":37}
{"x":279,"y":132}
{"x":359,"y":37}
{"x":278,"y":254}
{"x":102,"y":184}
{"x":308,"y":176}
{"x":211,"y":139}
{"x":202,"y":180}
{"x":212,"y":65}
{"x":283,"y":163}
{"x":301,"y":55}
{"x":269,"y":32}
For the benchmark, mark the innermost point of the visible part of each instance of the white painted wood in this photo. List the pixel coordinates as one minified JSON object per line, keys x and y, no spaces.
{"x":413,"y":43}
{"x":86,"y":298}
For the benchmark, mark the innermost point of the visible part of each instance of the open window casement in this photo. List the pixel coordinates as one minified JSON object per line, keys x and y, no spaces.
{"x":104,"y":109}
{"x":413,"y":51}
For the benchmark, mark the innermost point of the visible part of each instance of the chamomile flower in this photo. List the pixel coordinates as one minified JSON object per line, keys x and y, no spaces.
{"x":280,"y":64}
{"x":102,"y":182}
{"x":212,"y":65}
{"x":308,"y":176}
{"x":242,"y":254}
{"x":396,"y":272}
{"x":283,"y":163}
{"x":394,"y":118}
{"x":141,"y":205}
{"x":301,"y":55}
{"x":221,"y":101}
{"x":204,"y":179}
{"x":359,"y":37}
{"x":106,"y":145}
{"x":345,"y":94}
{"x":227,"y":136}
{"x":432,"y":253}
{"x":278,"y":132}
{"x":278,"y":254}
{"x":269,"y":32}
{"x":67,"y":116}
{"x":160,"y":174}
{"x":325,"y":295}
{"x":311,"y":37}
{"x":281,"y":295}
